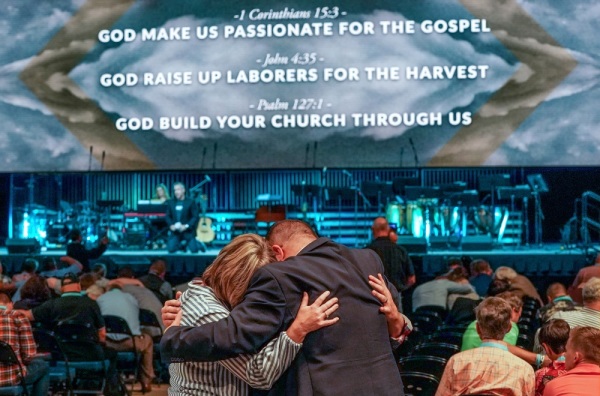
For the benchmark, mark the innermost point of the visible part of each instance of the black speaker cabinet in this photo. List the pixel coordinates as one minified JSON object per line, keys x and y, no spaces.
{"x":23,"y":246}
{"x":477,"y":242}
{"x":412,"y":244}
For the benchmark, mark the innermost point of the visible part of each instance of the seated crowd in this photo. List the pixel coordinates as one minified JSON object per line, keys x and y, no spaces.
{"x":74,"y":307}
{"x":495,"y":336}
{"x":477,"y":331}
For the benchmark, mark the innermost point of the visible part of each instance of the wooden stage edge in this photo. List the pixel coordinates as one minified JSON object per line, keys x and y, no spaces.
{"x":547,"y":261}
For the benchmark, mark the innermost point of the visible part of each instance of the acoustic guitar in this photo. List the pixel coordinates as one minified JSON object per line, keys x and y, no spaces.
{"x":204,"y":231}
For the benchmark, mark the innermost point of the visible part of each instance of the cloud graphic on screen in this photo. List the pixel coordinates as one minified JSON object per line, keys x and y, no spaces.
{"x":564,"y":128}
{"x":345,"y":97}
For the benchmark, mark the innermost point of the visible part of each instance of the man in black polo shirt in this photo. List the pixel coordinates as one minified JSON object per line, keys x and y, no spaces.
{"x":396,"y":262}
{"x":72,"y":305}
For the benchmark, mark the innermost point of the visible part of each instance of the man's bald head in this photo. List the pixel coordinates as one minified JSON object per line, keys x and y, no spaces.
{"x":380,"y":227}
{"x":288,"y":237}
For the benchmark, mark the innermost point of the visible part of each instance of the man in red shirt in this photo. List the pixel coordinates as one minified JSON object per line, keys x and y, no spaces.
{"x":16,"y":331}
{"x":582,"y":360}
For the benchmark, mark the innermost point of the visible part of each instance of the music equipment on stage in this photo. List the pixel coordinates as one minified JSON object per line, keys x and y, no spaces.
{"x":23,"y":246}
{"x":146,"y":206}
{"x":413,"y":244}
{"x":204,"y":231}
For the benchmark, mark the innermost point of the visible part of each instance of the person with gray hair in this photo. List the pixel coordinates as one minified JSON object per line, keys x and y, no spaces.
{"x":519,"y":284}
{"x":589,"y":315}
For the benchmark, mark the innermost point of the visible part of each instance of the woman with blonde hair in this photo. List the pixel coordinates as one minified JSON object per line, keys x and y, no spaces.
{"x":161,"y":193}
{"x":223,"y":286}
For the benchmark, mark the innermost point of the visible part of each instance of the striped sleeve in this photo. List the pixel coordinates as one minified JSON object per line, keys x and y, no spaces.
{"x":262,"y":369}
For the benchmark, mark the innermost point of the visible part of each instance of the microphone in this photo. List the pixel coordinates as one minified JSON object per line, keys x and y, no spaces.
{"x":306,"y":155}
{"x":90,"y":161}
{"x":401,"y":157}
{"x":207,"y":178}
{"x":214,"y":164}
{"x":414,"y":152}
{"x":203,"y":156}
{"x":345,"y":172}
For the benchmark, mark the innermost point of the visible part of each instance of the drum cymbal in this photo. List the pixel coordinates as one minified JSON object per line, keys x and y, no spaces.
{"x":44,"y":212}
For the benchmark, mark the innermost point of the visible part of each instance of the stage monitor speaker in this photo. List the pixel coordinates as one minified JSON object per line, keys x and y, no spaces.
{"x":413,"y":244}
{"x":23,"y":246}
{"x":477,"y":242}
{"x":439,"y":242}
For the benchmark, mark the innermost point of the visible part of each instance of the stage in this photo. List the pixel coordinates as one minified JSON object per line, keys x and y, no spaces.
{"x":542,"y":264}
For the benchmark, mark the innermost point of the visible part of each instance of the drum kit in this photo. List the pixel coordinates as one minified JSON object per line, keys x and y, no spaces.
{"x":444,"y":212}
{"x":51,"y":228}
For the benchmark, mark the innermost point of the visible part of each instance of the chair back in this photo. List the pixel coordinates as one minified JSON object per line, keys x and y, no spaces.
{"x":47,"y":342}
{"x":79,"y":341}
{"x":423,"y":364}
{"x":439,"y":349}
{"x":8,"y":356}
{"x":419,"y":383}
{"x":148,"y":318}
{"x":116,"y":325}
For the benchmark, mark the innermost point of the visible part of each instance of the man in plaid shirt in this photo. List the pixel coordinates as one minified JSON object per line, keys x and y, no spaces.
{"x":16,"y":331}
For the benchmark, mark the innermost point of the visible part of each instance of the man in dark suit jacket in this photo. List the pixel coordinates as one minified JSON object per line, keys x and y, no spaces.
{"x":351,"y":358}
{"x":181,"y":217}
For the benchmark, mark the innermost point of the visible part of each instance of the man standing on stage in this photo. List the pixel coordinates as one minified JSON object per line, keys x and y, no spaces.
{"x":182,"y":217}
{"x":77,"y":250}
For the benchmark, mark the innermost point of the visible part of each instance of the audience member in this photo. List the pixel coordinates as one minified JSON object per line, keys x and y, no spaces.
{"x":95,"y":291}
{"x":489,"y":369}
{"x":72,"y":306}
{"x":146,"y":300}
{"x":116,"y":302}
{"x":50,"y":267}
{"x":436,"y":292}
{"x":553,"y":337}
{"x":481,"y":276}
{"x":558,"y":300}
{"x":78,"y":251}
{"x":461,"y":276}
{"x":398,"y":267}
{"x":518,"y":283}
{"x":33,"y":293}
{"x":587,"y":273}
{"x":99,"y":269}
{"x":28,"y":269}
{"x":125,"y":276}
{"x":86,"y":280}
{"x":471,"y":337}
{"x":589,"y":315}
{"x":452,"y":263}
{"x":6,"y":284}
{"x":15,"y":330}
{"x":155,"y":280}
{"x":463,"y":310}
{"x":582,"y":361}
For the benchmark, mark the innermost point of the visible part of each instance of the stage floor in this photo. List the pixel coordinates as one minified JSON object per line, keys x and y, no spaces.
{"x":547,"y":261}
